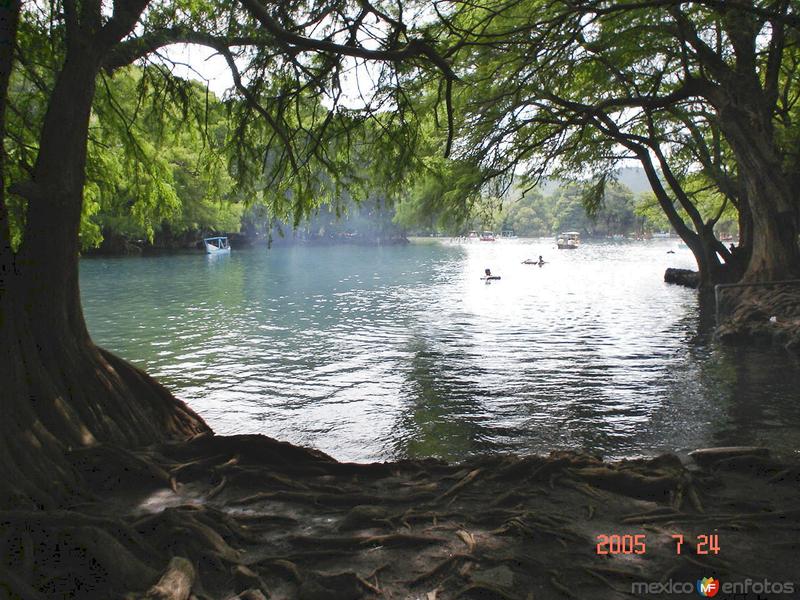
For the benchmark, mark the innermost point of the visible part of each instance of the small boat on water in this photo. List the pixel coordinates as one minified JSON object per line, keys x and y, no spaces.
{"x":568,"y":240}
{"x":487,"y":236}
{"x":217,"y":245}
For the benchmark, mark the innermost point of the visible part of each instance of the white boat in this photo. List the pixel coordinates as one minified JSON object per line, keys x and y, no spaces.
{"x":487,"y":236}
{"x":568,"y":240}
{"x":217,"y":245}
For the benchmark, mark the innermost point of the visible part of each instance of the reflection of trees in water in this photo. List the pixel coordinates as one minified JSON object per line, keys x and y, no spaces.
{"x":733,"y":389}
{"x":442,"y":417}
{"x":225,"y":284}
{"x":703,"y":322}
{"x":760,"y":408}
{"x":584,"y":406}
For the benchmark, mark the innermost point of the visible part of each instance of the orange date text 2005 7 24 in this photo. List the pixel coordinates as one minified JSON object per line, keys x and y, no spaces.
{"x":637,"y":544}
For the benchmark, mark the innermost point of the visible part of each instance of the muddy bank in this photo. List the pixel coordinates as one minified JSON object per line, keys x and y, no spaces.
{"x":248,"y":517}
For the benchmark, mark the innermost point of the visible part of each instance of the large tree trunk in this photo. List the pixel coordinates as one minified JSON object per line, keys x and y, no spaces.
{"x":60,"y":391}
{"x":774,"y":253}
{"x":745,"y":247}
{"x":747,"y":124}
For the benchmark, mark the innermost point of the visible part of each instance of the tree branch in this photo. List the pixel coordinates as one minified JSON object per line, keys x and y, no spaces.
{"x":129,"y":51}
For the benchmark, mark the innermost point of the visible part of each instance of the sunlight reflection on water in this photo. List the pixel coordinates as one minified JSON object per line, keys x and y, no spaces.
{"x":379,"y":353}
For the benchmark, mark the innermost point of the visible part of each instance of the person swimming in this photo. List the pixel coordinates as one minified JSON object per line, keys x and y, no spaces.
{"x":488,"y":275}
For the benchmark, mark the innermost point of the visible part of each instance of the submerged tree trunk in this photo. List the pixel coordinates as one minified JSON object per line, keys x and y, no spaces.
{"x":60,"y":391}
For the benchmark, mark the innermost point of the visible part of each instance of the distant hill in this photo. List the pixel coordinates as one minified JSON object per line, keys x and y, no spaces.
{"x":633,"y":178}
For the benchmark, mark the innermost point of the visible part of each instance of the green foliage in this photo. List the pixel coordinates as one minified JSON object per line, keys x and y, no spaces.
{"x":164,"y":154}
{"x":648,"y":208}
{"x":545,"y":88}
{"x":531,"y":215}
{"x":570,"y":90}
{"x":445,"y":196}
{"x":162,"y":170}
{"x":613,"y":210}
{"x":148,"y":165}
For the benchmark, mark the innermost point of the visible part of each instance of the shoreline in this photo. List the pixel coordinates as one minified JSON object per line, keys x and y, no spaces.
{"x":238,"y":242}
{"x":249,"y":517}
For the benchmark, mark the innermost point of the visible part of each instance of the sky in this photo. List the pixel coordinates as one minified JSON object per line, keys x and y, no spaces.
{"x":201,"y":64}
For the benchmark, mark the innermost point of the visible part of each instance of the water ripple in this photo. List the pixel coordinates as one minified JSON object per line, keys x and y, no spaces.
{"x":371,"y":354}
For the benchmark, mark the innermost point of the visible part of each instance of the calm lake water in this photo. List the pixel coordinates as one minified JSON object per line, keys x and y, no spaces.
{"x":383,"y":353}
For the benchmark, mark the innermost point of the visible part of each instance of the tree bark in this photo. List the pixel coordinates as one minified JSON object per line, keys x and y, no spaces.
{"x":60,"y":391}
{"x":773,"y":252}
{"x":746,"y":104}
{"x":9,"y":21}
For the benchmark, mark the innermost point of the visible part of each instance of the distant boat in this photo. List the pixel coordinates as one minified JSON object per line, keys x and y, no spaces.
{"x":568,"y":240}
{"x":487,"y":236}
{"x":661,"y":234}
{"x":508,"y":233}
{"x":217,"y":245}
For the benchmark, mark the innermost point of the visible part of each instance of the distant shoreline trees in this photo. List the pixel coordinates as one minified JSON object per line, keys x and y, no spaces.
{"x":703,"y":95}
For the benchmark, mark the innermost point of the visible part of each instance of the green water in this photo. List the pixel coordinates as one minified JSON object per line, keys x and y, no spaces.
{"x":382,"y":353}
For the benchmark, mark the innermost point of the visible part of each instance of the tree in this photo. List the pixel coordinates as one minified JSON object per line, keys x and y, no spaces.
{"x":162,"y":175}
{"x":572,"y":88}
{"x":60,"y":390}
{"x":530,"y":215}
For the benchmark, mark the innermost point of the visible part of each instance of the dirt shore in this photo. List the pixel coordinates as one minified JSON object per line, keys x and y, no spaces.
{"x":248,"y":517}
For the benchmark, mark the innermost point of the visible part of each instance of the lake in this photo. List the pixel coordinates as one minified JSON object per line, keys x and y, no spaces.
{"x":391,"y":352}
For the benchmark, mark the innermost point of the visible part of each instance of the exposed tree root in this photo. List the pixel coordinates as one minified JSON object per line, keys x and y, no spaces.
{"x":176,"y":583}
{"x":247,"y":517}
{"x":767,"y":314}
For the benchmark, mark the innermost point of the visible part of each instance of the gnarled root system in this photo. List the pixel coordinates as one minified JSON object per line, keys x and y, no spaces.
{"x":248,"y":517}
